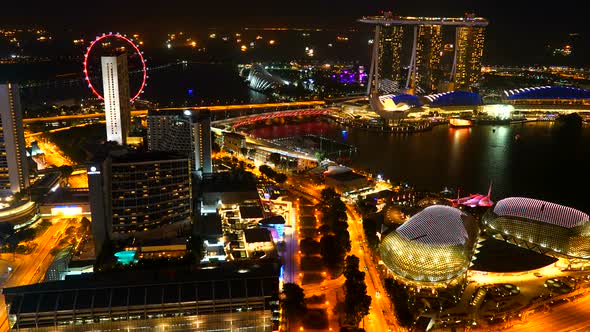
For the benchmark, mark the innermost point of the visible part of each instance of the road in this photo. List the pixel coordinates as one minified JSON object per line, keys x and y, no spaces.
{"x":33,"y":266}
{"x":573,"y":316}
{"x":381,"y":317}
{"x":211,"y":108}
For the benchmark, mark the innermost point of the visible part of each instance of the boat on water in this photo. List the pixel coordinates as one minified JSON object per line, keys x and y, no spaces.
{"x":459,"y":123}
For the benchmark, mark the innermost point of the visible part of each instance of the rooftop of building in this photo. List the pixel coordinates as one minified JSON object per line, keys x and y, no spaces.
{"x":389,"y":18}
{"x":345,"y":176}
{"x":454,"y":98}
{"x":548,"y":92}
{"x":211,"y":225}
{"x":436,"y":225}
{"x":228,"y":182}
{"x":48,"y":180}
{"x":254,"y":235}
{"x":150,"y":156}
{"x":251,"y":211}
{"x":68,"y":195}
{"x":146,"y":287}
{"x":535,"y":209}
{"x":404,"y":98}
{"x":233,"y":135}
{"x":195,"y":114}
{"x":274,"y":220}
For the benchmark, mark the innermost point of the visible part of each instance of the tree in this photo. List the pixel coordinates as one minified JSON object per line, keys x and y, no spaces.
{"x":331,"y":251}
{"x":275,"y":158}
{"x":399,"y":296}
{"x":85,"y":224}
{"x":356,"y":300}
{"x":267,"y":171}
{"x":370,"y":229}
{"x":294,"y":301}
{"x":309,"y":246}
{"x":280,"y":178}
{"x":343,"y":239}
{"x":71,"y":230}
{"x":332,"y":207}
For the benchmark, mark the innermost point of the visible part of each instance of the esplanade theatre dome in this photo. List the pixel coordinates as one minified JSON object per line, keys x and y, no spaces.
{"x":541,"y":226}
{"x":435,"y":245}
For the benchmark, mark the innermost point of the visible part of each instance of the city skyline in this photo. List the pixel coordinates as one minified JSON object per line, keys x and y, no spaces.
{"x":300,"y":166}
{"x":523,"y":29}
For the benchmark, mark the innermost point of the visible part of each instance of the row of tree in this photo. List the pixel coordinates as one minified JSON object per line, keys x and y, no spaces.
{"x":335,"y":241}
{"x":272,"y":174}
{"x":401,"y":301}
{"x":356,"y":301}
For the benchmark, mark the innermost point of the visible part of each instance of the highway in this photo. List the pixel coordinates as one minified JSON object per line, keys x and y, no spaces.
{"x":31,"y":268}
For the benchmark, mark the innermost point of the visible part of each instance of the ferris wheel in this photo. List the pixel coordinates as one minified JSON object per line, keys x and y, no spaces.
{"x":110,"y":40}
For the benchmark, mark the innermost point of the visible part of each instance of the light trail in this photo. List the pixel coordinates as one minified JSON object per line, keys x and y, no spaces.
{"x":211,"y":108}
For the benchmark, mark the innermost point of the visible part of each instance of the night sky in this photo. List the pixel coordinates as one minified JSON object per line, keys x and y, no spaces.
{"x":518,"y":28}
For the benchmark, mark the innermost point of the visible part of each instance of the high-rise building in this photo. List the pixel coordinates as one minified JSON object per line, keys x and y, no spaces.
{"x":427,"y":71}
{"x":389,"y":68}
{"x":14,"y":171}
{"x":184,"y":132}
{"x":425,"y":74}
{"x":117,"y":105}
{"x":132,"y":193}
{"x":468,"y":52}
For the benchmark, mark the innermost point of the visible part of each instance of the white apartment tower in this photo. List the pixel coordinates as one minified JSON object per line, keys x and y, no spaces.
{"x":117,"y":107}
{"x":14,"y":171}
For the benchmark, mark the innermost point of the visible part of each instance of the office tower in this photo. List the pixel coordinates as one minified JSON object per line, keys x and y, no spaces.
{"x":427,"y":71}
{"x":117,"y":105}
{"x":468,"y":52}
{"x":389,"y":73}
{"x":132,"y":193}
{"x":14,"y":172}
{"x":184,"y":132}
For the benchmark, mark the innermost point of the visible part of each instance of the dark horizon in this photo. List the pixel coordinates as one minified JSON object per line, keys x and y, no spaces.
{"x":518,"y":32}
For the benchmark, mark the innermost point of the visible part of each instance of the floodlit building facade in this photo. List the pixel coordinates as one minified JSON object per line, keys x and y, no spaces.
{"x":435,"y":246}
{"x":424,"y":73}
{"x":184,"y":132}
{"x":545,"y":227}
{"x":14,"y":171}
{"x":138,"y":192}
{"x":117,"y":105}
{"x":428,"y":55}
{"x":389,"y":67}
{"x":468,"y":53}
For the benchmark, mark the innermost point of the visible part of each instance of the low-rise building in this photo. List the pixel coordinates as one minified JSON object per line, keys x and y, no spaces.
{"x":226,"y":297}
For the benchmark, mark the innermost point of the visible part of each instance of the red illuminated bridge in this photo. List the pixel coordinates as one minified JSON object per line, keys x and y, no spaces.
{"x":283,"y":114}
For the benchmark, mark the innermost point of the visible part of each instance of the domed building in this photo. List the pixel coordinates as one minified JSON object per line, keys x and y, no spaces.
{"x":548,"y":95}
{"x":542,"y":226}
{"x":435,"y":245}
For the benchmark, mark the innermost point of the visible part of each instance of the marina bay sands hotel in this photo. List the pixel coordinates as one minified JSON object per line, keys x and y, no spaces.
{"x":426,"y":72}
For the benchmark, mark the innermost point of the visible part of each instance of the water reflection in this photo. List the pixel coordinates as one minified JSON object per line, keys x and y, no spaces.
{"x":458,"y":138}
{"x":537,"y":165}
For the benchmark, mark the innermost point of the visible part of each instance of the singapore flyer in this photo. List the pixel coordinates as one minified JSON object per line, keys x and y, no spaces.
{"x":115,"y":44}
